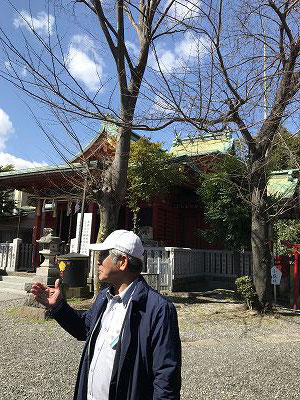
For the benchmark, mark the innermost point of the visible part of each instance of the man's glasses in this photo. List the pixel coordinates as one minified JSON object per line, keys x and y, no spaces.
{"x":102,"y":256}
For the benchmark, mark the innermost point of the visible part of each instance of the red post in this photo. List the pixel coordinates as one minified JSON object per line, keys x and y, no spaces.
{"x":296,"y":274}
{"x":295,"y":251}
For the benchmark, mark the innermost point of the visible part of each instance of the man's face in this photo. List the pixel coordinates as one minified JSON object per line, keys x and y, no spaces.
{"x":108,"y":270}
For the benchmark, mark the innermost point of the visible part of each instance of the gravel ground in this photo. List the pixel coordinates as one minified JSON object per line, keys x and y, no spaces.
{"x":228,"y":353}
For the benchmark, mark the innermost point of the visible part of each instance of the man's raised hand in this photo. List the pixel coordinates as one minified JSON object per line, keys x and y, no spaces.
{"x":49,"y":297}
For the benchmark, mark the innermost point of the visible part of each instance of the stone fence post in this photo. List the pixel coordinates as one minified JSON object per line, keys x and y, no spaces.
{"x":12,"y":264}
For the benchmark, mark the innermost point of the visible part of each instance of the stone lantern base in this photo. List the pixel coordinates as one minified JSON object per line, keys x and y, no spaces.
{"x":33,"y":309}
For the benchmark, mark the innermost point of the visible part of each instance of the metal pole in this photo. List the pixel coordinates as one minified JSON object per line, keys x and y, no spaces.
{"x":265,"y":77}
{"x":19,"y":223}
{"x":6,"y":252}
{"x":82,"y":215}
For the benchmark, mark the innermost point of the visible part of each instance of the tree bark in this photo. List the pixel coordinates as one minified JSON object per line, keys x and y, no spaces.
{"x":113,"y":193}
{"x":261,"y":257}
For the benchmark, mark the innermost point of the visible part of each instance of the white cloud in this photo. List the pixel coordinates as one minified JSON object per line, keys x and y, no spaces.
{"x":43,"y":23}
{"x":191,"y":46}
{"x":6,"y":128}
{"x":24,"y":72}
{"x":167,"y":61}
{"x":184,"y":9}
{"x":163,"y":105}
{"x":7,"y":65}
{"x":132,"y":47}
{"x":18,"y":163}
{"x":183,"y":53}
{"x":84,"y":63}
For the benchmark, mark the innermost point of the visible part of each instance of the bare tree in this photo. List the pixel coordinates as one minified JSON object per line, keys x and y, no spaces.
{"x":42,"y":68}
{"x":246,"y":77}
{"x":237,"y":65}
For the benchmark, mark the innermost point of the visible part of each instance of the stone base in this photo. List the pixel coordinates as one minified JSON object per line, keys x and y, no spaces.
{"x":77,"y":292}
{"x":32,"y":309}
{"x":47,"y":275}
{"x":31,"y":302}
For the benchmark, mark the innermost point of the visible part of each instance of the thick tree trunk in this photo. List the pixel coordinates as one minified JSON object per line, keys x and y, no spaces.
{"x":261,"y":256}
{"x":109,"y":213}
{"x":113,"y":192}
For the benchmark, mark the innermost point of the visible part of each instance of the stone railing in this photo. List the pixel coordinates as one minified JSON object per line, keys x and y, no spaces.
{"x":178,"y":267}
{"x":9,"y":253}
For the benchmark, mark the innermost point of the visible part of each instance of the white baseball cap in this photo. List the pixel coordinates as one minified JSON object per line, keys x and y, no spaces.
{"x":126,"y":241}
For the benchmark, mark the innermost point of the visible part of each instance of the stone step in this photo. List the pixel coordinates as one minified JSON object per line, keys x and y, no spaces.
{"x":17,"y":279}
{"x":21,"y":273}
{"x":15,"y":283}
{"x":13,"y":291}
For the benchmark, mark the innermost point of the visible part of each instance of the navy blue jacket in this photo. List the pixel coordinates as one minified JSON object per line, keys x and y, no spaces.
{"x":148,"y":359}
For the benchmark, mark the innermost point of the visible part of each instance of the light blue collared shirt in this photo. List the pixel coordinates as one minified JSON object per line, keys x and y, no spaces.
{"x":105,"y":347}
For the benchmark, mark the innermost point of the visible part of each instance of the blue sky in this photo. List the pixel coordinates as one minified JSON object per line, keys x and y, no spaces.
{"x":22,"y":141}
{"x":184,"y":59}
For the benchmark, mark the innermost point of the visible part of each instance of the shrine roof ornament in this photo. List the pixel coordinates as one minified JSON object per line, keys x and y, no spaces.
{"x":108,"y":134}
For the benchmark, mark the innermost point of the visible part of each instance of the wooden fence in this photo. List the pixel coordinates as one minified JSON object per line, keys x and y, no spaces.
{"x":25,"y":258}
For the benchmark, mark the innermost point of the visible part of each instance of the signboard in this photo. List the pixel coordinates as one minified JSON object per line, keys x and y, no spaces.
{"x":85,"y":236}
{"x":275,"y":276}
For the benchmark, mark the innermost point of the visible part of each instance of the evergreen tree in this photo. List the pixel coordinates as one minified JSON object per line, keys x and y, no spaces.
{"x":7,"y":203}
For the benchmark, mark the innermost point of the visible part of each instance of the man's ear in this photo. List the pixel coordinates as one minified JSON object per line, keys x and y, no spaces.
{"x":123,"y":263}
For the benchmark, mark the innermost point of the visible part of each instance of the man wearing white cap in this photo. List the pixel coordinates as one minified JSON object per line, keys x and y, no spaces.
{"x":132,"y":349}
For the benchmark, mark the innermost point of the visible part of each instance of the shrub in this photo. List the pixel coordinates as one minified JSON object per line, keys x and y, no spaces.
{"x":246,"y":290}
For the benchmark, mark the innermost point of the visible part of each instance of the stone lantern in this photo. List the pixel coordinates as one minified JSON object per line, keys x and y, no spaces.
{"x":48,"y":272}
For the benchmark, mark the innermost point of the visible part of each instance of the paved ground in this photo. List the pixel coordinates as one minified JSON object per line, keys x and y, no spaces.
{"x":228,"y":353}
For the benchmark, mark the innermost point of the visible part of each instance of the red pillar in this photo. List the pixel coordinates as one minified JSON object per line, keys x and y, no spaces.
{"x":296,"y":275}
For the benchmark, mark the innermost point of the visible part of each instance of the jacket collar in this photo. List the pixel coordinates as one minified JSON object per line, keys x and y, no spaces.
{"x":140,"y":293}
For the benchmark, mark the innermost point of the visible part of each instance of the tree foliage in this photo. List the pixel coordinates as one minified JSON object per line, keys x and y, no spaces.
{"x":7,"y":204}
{"x":151,"y":173}
{"x":285,"y":151}
{"x":225,"y":196}
{"x":285,"y":231}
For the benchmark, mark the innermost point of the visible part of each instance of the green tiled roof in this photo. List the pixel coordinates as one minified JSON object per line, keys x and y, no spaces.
{"x":283,"y":184}
{"x":45,"y":169}
{"x":203,"y":145}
